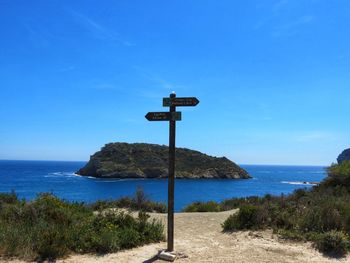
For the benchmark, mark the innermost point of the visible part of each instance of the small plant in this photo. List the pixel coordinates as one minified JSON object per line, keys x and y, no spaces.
{"x":139,"y":202}
{"x":248,"y":217}
{"x":8,"y":198}
{"x":140,"y":198}
{"x":210,"y":206}
{"x":333,"y":244}
{"x":339,"y":174}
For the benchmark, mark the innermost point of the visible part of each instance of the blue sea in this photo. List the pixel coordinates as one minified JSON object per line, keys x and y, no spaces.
{"x":28,"y":178}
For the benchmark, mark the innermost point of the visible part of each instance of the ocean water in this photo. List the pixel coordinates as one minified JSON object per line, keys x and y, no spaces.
{"x":28,"y":178}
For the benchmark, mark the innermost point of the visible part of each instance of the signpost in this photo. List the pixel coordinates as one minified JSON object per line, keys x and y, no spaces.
{"x":190,"y":101}
{"x":163,"y":116}
{"x":172,"y":116}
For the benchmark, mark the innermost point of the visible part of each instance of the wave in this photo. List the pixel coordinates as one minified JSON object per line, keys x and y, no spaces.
{"x":310,"y":172}
{"x":59,"y":174}
{"x":292,"y":172}
{"x":113,"y":180}
{"x":299,"y":183}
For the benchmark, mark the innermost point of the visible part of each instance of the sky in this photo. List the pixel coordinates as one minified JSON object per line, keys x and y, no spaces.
{"x":272,"y":77}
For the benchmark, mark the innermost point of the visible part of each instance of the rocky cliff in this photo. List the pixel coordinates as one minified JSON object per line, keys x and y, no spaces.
{"x":344,"y":156}
{"x":141,"y":160}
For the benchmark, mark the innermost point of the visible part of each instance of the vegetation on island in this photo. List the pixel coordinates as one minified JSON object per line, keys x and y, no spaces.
{"x":142,"y":160}
{"x":48,"y":227}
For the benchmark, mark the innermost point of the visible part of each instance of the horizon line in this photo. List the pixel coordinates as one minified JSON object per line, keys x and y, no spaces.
{"x":261,"y":164}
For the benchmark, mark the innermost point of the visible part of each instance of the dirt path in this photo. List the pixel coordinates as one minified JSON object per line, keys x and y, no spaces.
{"x":198,"y":236}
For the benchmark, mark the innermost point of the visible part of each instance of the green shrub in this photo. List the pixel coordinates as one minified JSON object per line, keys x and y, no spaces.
{"x":332,"y":243}
{"x":210,"y":206}
{"x":49,"y":241}
{"x":290,"y":234}
{"x":339,"y":174}
{"x":248,"y":217}
{"x":231,"y":224}
{"x":339,"y":170}
{"x":300,"y":193}
{"x":284,"y":220}
{"x":8,"y":198}
{"x":230,"y":204}
{"x":139,"y":202}
{"x":48,"y":228}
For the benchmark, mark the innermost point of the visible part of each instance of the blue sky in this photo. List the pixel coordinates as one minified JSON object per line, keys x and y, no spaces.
{"x":273,"y":77}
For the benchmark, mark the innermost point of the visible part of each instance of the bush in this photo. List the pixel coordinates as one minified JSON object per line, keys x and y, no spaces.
{"x":8,"y":198}
{"x":139,"y":202}
{"x":48,"y":228}
{"x":339,"y":170}
{"x":248,"y":217}
{"x":210,"y":206}
{"x":339,"y":174}
{"x":333,"y":243}
{"x":290,"y":235}
{"x":226,"y":205}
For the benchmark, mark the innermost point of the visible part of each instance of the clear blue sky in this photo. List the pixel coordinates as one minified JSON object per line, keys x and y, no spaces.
{"x":273,"y":77}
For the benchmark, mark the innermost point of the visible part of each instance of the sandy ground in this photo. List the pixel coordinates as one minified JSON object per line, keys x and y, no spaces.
{"x":198,"y":238}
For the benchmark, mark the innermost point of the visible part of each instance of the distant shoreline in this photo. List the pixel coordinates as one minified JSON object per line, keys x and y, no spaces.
{"x":241,"y":164}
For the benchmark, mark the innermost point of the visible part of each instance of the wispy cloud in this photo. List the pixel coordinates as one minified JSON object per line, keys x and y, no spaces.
{"x":293,"y":27}
{"x":158,"y":86}
{"x":297,"y":137}
{"x":276,"y":20}
{"x":97,"y":30}
{"x":314,"y":136}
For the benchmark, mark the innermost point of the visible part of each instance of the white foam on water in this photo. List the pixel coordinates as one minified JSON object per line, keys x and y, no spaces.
{"x":112,"y":180}
{"x":298,"y":183}
{"x":58,"y":174}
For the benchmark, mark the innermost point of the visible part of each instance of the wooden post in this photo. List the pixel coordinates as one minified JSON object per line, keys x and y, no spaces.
{"x":171,"y":177}
{"x":172,"y":116}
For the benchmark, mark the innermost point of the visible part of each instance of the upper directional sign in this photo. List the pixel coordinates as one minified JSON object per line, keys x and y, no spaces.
{"x":163,"y":116}
{"x":189,"y":101}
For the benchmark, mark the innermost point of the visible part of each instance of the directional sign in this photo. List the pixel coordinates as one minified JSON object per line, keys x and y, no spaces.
{"x":189,"y":101}
{"x":172,"y":116}
{"x":163,"y":116}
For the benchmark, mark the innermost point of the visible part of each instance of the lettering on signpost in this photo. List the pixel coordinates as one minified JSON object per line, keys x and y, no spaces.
{"x":163,"y":116}
{"x":172,"y":116}
{"x":190,"y":101}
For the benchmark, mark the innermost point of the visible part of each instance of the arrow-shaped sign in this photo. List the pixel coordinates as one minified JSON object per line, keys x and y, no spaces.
{"x":189,"y":101}
{"x":163,"y":116}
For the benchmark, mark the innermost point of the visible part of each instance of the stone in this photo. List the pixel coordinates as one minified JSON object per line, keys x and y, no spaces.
{"x":166,"y":255}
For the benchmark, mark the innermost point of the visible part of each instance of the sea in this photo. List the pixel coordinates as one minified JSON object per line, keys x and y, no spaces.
{"x":29,"y":178}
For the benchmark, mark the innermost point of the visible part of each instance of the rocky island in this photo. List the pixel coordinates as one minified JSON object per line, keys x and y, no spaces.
{"x":344,"y":156}
{"x":142,"y":160}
